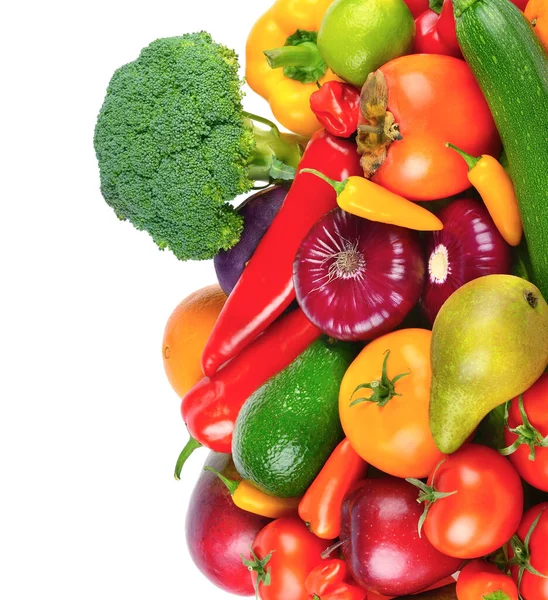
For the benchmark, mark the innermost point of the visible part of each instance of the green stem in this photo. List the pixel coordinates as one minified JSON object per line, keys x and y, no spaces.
{"x":338,"y":186}
{"x":230,"y":483}
{"x":459,"y":6}
{"x":191,"y":445}
{"x":471,"y":161}
{"x":303,"y":55}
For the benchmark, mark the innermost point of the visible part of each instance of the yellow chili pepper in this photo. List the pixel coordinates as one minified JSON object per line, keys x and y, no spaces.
{"x":496,"y":189}
{"x":366,"y":199}
{"x":283,"y":63}
{"x":247,"y":497}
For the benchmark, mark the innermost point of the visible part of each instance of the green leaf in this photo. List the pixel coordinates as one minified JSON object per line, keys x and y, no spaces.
{"x":498,"y":595}
{"x":279,"y":171}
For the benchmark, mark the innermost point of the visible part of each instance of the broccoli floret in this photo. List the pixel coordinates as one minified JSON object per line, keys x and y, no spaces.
{"x":174,"y":145}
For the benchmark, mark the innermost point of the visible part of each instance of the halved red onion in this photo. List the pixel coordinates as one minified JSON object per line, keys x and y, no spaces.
{"x":469,"y":246}
{"x":356,"y":279}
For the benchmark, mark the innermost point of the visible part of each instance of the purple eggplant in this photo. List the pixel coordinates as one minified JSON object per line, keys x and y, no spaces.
{"x":258,"y":212}
{"x":356,"y":279}
{"x":469,"y":246}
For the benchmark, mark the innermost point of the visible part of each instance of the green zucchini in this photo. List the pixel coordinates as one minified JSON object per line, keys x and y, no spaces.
{"x":511,"y":68}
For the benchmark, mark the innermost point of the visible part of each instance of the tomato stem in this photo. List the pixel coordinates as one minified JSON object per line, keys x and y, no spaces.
{"x":384,"y":389}
{"x":526,"y":432}
{"x":258,"y":566}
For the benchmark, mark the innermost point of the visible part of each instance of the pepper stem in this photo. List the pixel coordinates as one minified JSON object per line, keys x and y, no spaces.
{"x":471,"y":161}
{"x":384,"y":389}
{"x":338,"y":186}
{"x":191,"y":445}
{"x":303,"y":55}
{"x":230,"y":483}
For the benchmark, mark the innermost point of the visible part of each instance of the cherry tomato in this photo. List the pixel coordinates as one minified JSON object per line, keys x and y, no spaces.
{"x":531,"y":458}
{"x":435,"y":99}
{"x":390,"y":429}
{"x":533,"y":554}
{"x":484,"y":508}
{"x":294,"y":550}
{"x":478,"y":579}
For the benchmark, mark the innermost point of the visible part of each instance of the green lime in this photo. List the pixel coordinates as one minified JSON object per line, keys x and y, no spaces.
{"x":359,"y":36}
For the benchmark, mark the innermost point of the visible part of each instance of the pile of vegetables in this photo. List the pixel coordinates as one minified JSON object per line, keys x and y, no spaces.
{"x":369,"y":374}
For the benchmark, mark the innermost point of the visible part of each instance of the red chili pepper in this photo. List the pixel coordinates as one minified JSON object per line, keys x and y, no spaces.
{"x":265,"y":288}
{"x":211,"y":407}
{"x":320,"y":507}
{"x":345,"y":591}
{"x":337,"y":107}
{"x":328,"y":574}
{"x":417,"y":7}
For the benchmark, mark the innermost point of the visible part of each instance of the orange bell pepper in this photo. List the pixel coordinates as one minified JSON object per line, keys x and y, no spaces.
{"x":364,"y":198}
{"x":496,"y":189}
{"x":289,"y":98}
{"x":247,"y":497}
{"x":536,"y":12}
{"x":320,"y":507}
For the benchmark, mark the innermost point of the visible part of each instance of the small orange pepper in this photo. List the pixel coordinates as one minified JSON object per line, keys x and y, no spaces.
{"x":247,"y":497}
{"x":366,"y":199}
{"x":536,"y":12}
{"x":496,"y":189}
{"x":320,"y":507}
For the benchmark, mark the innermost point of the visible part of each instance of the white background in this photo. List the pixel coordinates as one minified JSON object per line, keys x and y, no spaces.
{"x":89,"y":426}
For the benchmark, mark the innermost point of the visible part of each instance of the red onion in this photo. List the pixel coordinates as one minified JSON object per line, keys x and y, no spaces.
{"x":356,"y":279}
{"x":469,"y":246}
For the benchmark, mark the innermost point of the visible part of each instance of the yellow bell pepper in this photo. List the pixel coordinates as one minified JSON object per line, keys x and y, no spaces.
{"x":289,"y":99}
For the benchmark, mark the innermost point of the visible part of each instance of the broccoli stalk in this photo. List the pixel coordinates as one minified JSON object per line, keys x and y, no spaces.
{"x":175,"y":146}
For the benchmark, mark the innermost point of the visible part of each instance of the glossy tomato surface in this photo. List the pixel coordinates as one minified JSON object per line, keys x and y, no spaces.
{"x":435,"y":99}
{"x":394,"y":438}
{"x":383,"y":549}
{"x":534,"y":587}
{"x":295,"y":553}
{"x":535,"y":404}
{"x":485,"y":509}
{"x":478,"y":579}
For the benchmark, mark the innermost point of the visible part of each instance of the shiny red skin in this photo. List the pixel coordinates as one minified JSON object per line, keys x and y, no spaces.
{"x":474,"y":248}
{"x":211,"y":407}
{"x":432,"y":98}
{"x":417,"y":7}
{"x":532,"y":586}
{"x":295,"y":553}
{"x":427,"y":38}
{"x":486,"y":510}
{"x":535,"y":403}
{"x":383,"y":549}
{"x":218,"y":532}
{"x":377,"y":296}
{"x":265,"y":288}
{"x":337,"y":107}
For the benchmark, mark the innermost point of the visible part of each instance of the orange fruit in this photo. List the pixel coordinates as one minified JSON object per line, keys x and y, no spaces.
{"x":186,"y":333}
{"x":537,"y":14}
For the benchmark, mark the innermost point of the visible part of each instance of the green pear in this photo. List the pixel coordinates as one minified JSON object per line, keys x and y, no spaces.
{"x":489,"y":344}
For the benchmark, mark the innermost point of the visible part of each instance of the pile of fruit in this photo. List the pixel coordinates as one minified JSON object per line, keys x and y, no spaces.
{"x":369,"y":373}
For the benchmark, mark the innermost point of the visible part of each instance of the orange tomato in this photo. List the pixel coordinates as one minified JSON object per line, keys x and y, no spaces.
{"x":434,"y":99}
{"x":389,"y":429}
{"x":536,"y":12}
{"x":185,"y":336}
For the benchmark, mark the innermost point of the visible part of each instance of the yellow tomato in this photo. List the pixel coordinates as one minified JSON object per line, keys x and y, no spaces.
{"x":383,"y":404}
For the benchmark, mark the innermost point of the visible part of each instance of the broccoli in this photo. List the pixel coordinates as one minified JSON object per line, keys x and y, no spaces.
{"x":175,"y":146}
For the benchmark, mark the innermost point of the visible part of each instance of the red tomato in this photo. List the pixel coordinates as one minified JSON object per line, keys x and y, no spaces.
{"x":534,"y":554}
{"x":478,"y":579}
{"x":535,"y":404}
{"x":485,"y":510}
{"x":295,"y":553}
{"x":435,"y":99}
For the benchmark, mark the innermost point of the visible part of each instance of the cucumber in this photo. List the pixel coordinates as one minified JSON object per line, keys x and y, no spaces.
{"x":511,"y":68}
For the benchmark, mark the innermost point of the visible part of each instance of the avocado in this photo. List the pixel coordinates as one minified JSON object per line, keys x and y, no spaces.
{"x":288,"y":428}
